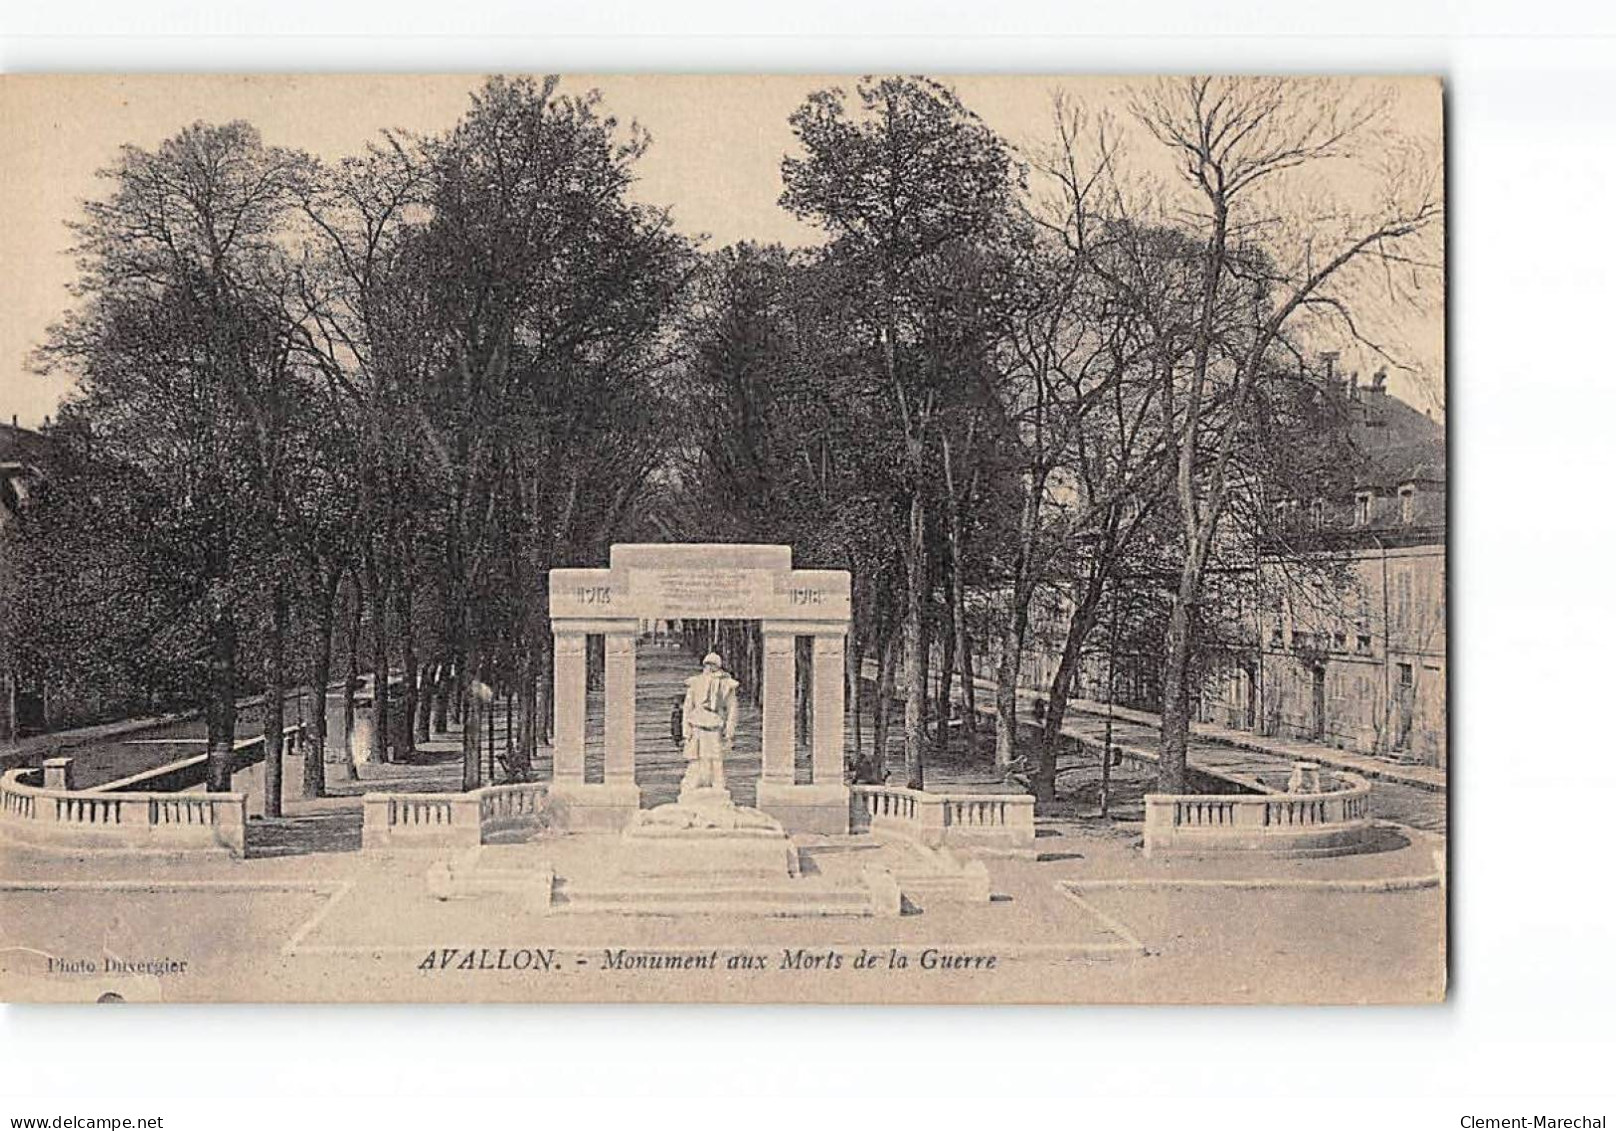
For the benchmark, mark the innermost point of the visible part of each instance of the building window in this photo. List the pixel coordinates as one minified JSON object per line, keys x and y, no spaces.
{"x":1317,"y":510}
{"x":1405,"y":503}
{"x":1365,"y":509}
{"x":1365,"y":644}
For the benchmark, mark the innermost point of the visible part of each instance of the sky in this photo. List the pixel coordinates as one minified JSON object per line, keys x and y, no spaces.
{"x":717,"y":143}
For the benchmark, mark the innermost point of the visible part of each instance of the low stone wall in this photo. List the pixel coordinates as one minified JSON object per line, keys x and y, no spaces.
{"x":989,"y":822}
{"x":88,"y":820}
{"x":1331,"y":822}
{"x":450,"y":820}
{"x":187,"y":773}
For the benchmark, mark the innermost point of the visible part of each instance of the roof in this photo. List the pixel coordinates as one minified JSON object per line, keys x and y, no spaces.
{"x":25,"y":446}
{"x":1397,"y":443}
{"x":23,"y":456}
{"x":1391,"y":444}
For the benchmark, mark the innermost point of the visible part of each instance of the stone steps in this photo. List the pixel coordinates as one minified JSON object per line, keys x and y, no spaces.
{"x":794,"y":899}
{"x":948,"y":889}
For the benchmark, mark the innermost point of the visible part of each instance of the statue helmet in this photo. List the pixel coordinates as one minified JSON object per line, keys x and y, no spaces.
{"x":713,"y":660}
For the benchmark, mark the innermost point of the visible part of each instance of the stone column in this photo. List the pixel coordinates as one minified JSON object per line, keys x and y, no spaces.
{"x":779,"y":708}
{"x":821,"y":806}
{"x":571,"y":702}
{"x":829,"y":708}
{"x":620,"y":708}
{"x":574,"y":805}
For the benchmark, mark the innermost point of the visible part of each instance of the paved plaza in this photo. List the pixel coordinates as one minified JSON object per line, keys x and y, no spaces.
{"x":1089,"y":920}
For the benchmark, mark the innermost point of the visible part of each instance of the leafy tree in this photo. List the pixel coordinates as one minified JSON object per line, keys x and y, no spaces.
{"x":497,"y":319}
{"x":902,"y":178}
{"x":182,"y":353}
{"x":96,"y":602}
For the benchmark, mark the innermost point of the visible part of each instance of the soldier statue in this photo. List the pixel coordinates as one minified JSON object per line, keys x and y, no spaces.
{"x":710,"y":709}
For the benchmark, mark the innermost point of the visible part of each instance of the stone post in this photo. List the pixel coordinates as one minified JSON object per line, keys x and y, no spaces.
{"x":779,"y":708}
{"x":571,"y":702}
{"x":58,"y":773}
{"x":829,"y":708}
{"x":620,"y":708}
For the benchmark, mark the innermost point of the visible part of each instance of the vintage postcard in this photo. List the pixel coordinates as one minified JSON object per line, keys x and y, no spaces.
{"x":885,"y":538}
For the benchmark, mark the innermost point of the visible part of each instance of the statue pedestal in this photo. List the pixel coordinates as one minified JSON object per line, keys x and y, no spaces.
{"x":592,"y":807}
{"x":704,"y":839}
{"x":702,"y":855}
{"x":817,"y":809}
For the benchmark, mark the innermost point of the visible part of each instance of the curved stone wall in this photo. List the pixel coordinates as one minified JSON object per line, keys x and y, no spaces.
{"x":90,"y":820}
{"x":1326,"y":823}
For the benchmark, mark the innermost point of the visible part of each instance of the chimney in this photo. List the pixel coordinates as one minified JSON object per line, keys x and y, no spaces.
{"x":1352,"y":386}
{"x":14,"y":420}
{"x":1379,"y":386}
{"x":1329,"y":358}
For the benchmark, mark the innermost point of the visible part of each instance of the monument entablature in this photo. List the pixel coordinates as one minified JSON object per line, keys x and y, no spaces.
{"x":721,"y":581}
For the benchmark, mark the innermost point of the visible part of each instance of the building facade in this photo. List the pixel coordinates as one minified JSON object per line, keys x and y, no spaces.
{"x":1334,"y":626}
{"x":1351,"y":618}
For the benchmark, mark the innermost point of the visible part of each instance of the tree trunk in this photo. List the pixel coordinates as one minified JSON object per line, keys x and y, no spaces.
{"x":510,"y":738}
{"x":1009,"y":677}
{"x":431,"y":677}
{"x":855,"y":689}
{"x":967,"y":676}
{"x":314,"y":759}
{"x":406,"y":627}
{"x":914,"y":643}
{"x":544,"y":688}
{"x":1173,"y":766}
{"x":802,"y":657}
{"x":275,"y":701}
{"x":1084,"y":616}
{"x":441,"y":692}
{"x":884,"y":688}
{"x":458,"y":688}
{"x":379,"y":662}
{"x":956,"y":597}
{"x":945,"y":682}
{"x":751,"y":668}
{"x":221,"y":694}
{"x":1004,"y":697}
{"x":1175,"y":724}
{"x":471,"y":735}
{"x":1015,"y":632}
{"x":350,"y":687}
{"x":521,"y":746}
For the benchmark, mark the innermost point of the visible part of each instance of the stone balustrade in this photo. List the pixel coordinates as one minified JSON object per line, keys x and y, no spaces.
{"x":121,"y":822}
{"x":988,"y":822}
{"x":1326,"y":823}
{"x":507,"y":809}
{"x":450,"y":820}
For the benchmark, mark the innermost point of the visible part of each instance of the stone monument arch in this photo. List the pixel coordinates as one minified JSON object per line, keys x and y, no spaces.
{"x":717,"y":581}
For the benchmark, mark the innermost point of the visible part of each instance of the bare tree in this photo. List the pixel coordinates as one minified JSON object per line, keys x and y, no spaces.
{"x":1271,"y":249}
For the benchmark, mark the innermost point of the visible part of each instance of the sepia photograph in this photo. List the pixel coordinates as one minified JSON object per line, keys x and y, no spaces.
{"x":884,"y":538}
